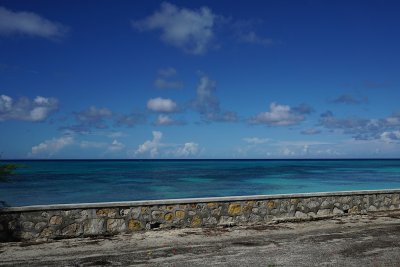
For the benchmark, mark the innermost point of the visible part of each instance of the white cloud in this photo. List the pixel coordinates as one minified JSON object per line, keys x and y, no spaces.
{"x":253,"y":38}
{"x":190,"y":30}
{"x":150,"y":147}
{"x":115,"y":146}
{"x":278,"y":115}
{"x":166,"y":120}
{"x":52,"y":146}
{"x":391,"y":137}
{"x":162,"y":83}
{"x":28,"y":23}
{"x":25,"y":109}
{"x":161,"y":105}
{"x":187,"y":150}
{"x":255,"y":140}
{"x":207,"y":103}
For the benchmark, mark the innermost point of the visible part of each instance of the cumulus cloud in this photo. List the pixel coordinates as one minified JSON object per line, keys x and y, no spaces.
{"x":187,"y":150}
{"x":150,"y":147}
{"x":52,"y":146}
{"x":280,"y":115}
{"x":167,"y":120}
{"x":29,"y":24}
{"x":161,"y":105}
{"x":391,"y":137}
{"x":163,"y":81}
{"x":207,"y":103}
{"x":349,"y":99}
{"x":190,"y":30}
{"x":255,"y":140}
{"x":25,"y":109}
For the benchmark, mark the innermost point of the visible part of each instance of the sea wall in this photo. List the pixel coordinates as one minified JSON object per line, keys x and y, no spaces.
{"x":33,"y":223}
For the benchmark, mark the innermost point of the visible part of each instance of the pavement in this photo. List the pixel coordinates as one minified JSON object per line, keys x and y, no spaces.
{"x":356,"y":240}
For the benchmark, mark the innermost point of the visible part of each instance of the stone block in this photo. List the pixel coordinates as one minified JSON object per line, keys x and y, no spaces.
{"x":337,"y":211}
{"x":110,"y":213}
{"x":134,"y":225}
{"x":226,"y":221}
{"x":324,"y":212}
{"x":56,"y":220}
{"x":93,"y":227}
{"x":116,"y":225}
{"x":196,"y":221}
{"x":70,"y":230}
{"x":234,"y":209}
{"x":180,"y":214}
{"x":169,"y":217}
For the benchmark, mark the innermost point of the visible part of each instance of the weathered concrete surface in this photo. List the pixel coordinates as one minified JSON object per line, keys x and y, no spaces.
{"x":356,"y":240}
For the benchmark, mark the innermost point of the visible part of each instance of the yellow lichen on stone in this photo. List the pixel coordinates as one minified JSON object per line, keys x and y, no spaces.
{"x":180,"y":214}
{"x":234,"y":209}
{"x":56,"y":220}
{"x":271,"y":204}
{"x":294,"y":201}
{"x":144,"y":210}
{"x":251,"y":202}
{"x":169,"y":217}
{"x":134,"y":225}
{"x":170,"y":207}
{"x":196,"y":221}
{"x":353,"y":210}
{"x":247,"y":208}
{"x":46,"y":232}
{"x":212,"y":205}
{"x":106,"y":212}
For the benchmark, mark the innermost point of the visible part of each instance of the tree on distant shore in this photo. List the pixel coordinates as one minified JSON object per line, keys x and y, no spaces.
{"x":6,"y":170}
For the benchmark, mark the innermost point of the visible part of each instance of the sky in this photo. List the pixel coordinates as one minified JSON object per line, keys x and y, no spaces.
{"x":199,"y":79}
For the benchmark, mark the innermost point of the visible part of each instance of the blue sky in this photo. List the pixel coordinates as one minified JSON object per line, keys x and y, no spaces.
{"x":199,"y":79}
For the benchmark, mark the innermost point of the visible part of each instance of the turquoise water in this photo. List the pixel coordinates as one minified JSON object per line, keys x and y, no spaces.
{"x":51,"y":182}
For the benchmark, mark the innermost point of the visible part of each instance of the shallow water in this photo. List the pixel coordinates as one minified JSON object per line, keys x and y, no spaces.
{"x":63,"y":181}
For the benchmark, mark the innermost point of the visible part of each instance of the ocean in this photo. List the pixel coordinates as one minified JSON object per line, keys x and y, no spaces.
{"x":77,"y":181}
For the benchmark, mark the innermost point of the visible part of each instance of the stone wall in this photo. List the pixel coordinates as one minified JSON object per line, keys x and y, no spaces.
{"x":80,"y":220}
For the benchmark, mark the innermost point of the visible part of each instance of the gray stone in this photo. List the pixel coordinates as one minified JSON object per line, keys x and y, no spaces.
{"x":70,"y":230}
{"x":116,"y":225}
{"x":324,"y":212}
{"x":40,"y":225}
{"x":93,"y":227}
{"x":226,"y":221}
{"x":135,"y":213}
{"x":337,"y":211}
{"x":372,"y":208}
{"x":124,"y":212}
{"x":27,"y":225}
{"x":191,"y":213}
{"x":312,"y":205}
{"x":300,"y":215}
{"x":56,"y":220}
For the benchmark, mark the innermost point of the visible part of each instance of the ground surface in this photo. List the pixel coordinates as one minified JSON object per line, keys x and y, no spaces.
{"x":372,"y":240}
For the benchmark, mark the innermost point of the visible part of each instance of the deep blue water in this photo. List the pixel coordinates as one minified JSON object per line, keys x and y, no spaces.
{"x":63,"y":181}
